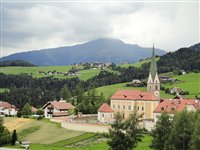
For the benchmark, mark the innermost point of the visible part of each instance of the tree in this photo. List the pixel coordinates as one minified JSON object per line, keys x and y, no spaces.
{"x":40,"y":112}
{"x":195,"y":141}
{"x":161,"y":132}
{"x":65,"y":93}
{"x":117,"y":135}
{"x":133,"y":131}
{"x":182,"y":129}
{"x":4,"y":133}
{"x":14,"y":137}
{"x":26,"y":111}
{"x":125,"y":134}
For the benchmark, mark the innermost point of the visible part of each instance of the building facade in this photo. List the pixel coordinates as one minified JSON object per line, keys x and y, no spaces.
{"x":7,"y":109}
{"x":57,"y":109}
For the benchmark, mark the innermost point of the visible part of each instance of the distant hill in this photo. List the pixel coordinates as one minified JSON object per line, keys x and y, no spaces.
{"x":187,"y":59}
{"x":101,"y":50}
{"x":16,"y":63}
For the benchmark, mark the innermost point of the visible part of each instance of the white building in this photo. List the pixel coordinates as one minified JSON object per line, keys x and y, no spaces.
{"x":105,"y":113}
{"x":57,"y":109}
{"x":7,"y":109}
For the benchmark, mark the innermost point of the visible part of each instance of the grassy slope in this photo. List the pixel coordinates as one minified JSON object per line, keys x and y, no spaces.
{"x":138,"y":64}
{"x":188,"y":82}
{"x":108,"y":91}
{"x":4,"y":89}
{"x":45,"y":133}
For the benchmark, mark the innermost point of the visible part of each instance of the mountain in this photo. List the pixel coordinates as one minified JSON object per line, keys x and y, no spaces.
{"x":100,"y":50}
{"x":16,"y":63}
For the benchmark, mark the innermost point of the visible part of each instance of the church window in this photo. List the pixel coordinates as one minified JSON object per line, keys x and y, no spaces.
{"x":124,"y":107}
{"x":156,"y":87}
{"x":149,"y":87}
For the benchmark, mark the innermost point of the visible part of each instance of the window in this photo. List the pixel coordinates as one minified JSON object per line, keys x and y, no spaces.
{"x":102,"y":115}
{"x":129,"y":107}
{"x":118,"y":106}
{"x":138,"y":108}
{"x":156,"y":87}
{"x":113,"y":106}
{"x":142,"y":108}
{"x":124,"y":107}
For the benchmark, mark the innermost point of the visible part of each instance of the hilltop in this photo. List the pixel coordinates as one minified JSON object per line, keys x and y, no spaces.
{"x":101,"y":50}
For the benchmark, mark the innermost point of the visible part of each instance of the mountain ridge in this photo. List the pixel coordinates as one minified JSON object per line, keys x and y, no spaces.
{"x":101,"y":50}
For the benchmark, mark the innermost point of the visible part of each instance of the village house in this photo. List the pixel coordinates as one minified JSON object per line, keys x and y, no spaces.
{"x":171,"y":106}
{"x":136,"y":82}
{"x":7,"y":109}
{"x":57,"y":108}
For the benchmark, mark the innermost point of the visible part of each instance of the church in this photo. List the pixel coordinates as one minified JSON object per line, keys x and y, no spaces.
{"x":147,"y":102}
{"x":125,"y":101}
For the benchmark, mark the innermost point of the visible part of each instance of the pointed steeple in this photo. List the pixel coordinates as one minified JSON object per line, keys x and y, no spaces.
{"x":153,"y":67}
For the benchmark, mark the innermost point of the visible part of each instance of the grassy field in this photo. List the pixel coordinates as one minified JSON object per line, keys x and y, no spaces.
{"x":42,"y":132}
{"x":188,"y":82}
{"x":138,"y":64}
{"x":45,"y":135}
{"x":108,"y":91}
{"x":4,"y":89}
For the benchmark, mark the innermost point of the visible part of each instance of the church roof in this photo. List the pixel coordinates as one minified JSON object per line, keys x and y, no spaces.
{"x":153,"y":66}
{"x":105,"y":108}
{"x":134,"y":95}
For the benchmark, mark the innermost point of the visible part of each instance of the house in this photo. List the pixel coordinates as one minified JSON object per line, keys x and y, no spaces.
{"x":136,"y":82}
{"x":171,"y":106}
{"x":105,"y":113}
{"x":33,"y":110}
{"x":57,"y":108}
{"x":165,"y":78}
{"x":7,"y":109}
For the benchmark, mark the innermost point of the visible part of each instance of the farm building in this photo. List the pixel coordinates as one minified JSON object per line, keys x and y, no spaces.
{"x":57,"y":108}
{"x":7,"y":109}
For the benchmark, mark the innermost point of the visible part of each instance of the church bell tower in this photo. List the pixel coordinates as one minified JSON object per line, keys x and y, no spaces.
{"x":153,"y":83}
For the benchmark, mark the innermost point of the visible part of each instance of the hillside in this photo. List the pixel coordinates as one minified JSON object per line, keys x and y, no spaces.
{"x":188,"y":82}
{"x":187,"y":59}
{"x":101,"y":50}
{"x":16,"y":63}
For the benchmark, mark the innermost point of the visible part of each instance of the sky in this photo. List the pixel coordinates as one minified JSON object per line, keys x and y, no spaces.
{"x":35,"y":25}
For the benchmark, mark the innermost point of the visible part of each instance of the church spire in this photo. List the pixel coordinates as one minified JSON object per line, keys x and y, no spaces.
{"x":153,"y":67}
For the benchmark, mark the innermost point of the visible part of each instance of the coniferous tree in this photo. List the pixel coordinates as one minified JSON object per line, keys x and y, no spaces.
{"x":161,"y":132}
{"x":26,"y":111}
{"x":195,"y":141}
{"x":4,"y":133}
{"x":14,"y":137}
{"x":65,"y":93}
{"x":117,"y":135}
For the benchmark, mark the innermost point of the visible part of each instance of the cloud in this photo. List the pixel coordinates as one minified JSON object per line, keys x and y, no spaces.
{"x":31,"y":26}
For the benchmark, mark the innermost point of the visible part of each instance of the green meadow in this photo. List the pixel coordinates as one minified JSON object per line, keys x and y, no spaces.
{"x":138,"y":64}
{"x":45,"y":135}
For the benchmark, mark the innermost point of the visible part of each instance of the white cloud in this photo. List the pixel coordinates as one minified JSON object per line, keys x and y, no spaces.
{"x":29,"y":26}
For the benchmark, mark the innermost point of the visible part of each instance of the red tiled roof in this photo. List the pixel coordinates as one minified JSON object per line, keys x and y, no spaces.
{"x":7,"y":105}
{"x":133,"y":95}
{"x":56,"y":114}
{"x":172,"y":105}
{"x":33,"y":109}
{"x":59,"y":105}
{"x":105,"y":108}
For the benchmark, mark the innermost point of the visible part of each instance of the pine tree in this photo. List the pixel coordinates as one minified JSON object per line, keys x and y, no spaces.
{"x":14,"y":137}
{"x":4,"y":133}
{"x":161,"y":131}
{"x":65,"y":93}
{"x":195,"y":141}
{"x":132,"y":129}
{"x":117,"y":135}
{"x":26,"y":111}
